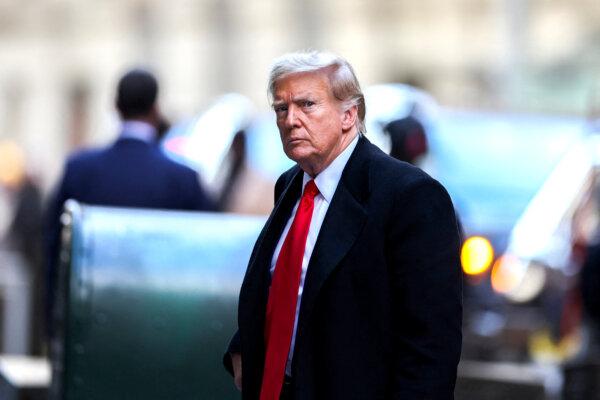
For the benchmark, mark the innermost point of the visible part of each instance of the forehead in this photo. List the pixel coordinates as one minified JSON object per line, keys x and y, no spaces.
{"x":303,"y":83}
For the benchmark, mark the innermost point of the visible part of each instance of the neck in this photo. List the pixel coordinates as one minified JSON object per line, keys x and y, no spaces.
{"x":145,"y":119}
{"x":137,"y":129}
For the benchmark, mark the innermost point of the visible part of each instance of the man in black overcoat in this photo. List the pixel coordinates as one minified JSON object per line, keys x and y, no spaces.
{"x":353,"y":289}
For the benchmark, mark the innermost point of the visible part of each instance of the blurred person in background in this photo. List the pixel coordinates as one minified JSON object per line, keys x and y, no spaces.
{"x":132,"y":172}
{"x":408,"y":139}
{"x":23,"y":234}
{"x":353,"y":289}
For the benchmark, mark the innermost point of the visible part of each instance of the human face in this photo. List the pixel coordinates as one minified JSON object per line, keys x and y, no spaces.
{"x":313,"y":127}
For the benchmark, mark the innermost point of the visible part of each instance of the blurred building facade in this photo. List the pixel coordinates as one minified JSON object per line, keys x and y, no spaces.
{"x":60,"y":59}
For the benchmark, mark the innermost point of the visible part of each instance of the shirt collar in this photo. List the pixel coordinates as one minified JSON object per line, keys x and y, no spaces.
{"x":329,"y":178}
{"x":132,"y":129}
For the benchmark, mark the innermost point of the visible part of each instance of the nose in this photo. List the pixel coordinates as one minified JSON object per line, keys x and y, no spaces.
{"x":291,"y":119}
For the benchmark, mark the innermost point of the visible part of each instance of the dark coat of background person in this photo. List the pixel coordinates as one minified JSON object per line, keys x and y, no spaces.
{"x":130,"y":173}
{"x":25,"y":235}
{"x":381,"y":309}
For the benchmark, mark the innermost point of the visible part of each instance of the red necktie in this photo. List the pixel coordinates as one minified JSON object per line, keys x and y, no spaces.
{"x":283,"y":296}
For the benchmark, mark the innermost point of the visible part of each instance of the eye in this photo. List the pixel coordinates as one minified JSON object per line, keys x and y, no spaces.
{"x":307,"y":103}
{"x":280,"y":108}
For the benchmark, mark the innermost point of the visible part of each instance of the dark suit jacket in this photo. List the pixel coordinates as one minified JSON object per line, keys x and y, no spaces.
{"x":381,"y":310}
{"x":130,"y":173}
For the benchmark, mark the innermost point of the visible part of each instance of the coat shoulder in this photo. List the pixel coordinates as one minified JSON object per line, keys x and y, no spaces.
{"x":83,"y":159}
{"x":176,"y":167}
{"x":387,"y":172}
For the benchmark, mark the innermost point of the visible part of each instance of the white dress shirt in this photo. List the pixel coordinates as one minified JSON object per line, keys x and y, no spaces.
{"x":133,"y":129}
{"x":326,"y":182}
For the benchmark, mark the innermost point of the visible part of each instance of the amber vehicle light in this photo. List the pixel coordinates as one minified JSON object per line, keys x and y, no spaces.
{"x":476,"y":255}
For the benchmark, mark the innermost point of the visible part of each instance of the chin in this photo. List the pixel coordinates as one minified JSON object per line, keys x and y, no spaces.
{"x":297,"y":153}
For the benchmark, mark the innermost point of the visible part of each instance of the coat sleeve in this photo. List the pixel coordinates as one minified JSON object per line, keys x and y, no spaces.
{"x":234,"y":347}
{"x":427,"y":285}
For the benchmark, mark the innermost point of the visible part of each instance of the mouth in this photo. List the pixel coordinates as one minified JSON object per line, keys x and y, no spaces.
{"x":295,"y":140}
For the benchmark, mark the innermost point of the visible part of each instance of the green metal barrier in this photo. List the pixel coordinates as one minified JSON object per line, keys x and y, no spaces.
{"x":148,"y":303}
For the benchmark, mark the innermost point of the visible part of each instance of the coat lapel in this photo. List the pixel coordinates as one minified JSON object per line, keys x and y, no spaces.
{"x":276,"y":222}
{"x":257,"y":278}
{"x":343,"y":223}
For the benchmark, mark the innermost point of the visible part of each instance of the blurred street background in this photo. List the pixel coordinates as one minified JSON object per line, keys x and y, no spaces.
{"x":60,"y":59}
{"x":507,"y":92}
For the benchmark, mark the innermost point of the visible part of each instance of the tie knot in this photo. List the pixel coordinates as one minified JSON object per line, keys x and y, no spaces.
{"x":311,"y":189}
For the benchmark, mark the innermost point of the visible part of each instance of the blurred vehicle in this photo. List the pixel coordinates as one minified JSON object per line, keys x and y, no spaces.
{"x":238,"y":167}
{"x":546,"y":250}
{"x":203,"y":142}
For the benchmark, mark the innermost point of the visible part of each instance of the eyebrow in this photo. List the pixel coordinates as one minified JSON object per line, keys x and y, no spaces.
{"x":296,"y":99}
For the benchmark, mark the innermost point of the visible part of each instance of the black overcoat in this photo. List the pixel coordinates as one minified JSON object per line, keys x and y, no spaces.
{"x":381,"y":310}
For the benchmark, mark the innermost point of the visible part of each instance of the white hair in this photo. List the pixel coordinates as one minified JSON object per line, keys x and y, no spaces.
{"x":343,"y":82}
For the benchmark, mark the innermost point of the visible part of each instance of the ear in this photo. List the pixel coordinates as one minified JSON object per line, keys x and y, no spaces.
{"x":349,"y":118}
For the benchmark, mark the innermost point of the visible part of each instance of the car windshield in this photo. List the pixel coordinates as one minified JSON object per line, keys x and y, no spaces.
{"x":493,"y":164}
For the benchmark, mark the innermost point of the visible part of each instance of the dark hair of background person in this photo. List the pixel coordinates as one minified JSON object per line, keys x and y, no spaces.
{"x":136,"y":93}
{"x":408,"y":139}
